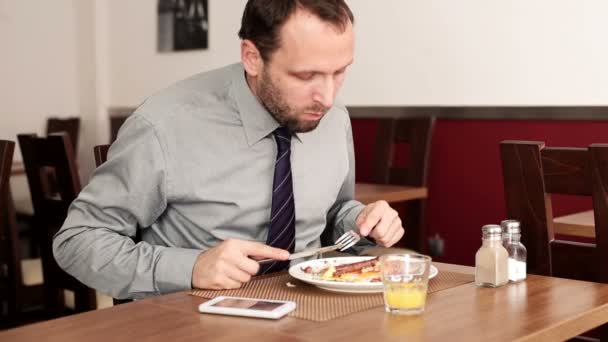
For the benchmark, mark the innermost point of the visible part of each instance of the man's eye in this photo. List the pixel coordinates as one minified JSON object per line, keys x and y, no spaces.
{"x":305,"y":76}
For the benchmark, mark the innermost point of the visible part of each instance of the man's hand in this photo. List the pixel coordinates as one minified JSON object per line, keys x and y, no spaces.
{"x":380,"y":222}
{"x":228,"y":265}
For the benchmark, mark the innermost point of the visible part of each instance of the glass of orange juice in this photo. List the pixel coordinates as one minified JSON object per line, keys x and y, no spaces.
{"x":405,"y":279}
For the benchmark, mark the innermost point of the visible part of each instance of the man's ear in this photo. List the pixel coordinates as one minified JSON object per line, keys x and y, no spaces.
{"x":251,"y":58}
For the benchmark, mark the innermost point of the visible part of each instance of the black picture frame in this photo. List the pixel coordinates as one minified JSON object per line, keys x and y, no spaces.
{"x":183,"y":25}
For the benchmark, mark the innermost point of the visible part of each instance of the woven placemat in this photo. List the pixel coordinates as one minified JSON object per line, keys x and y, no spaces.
{"x":320,"y":305}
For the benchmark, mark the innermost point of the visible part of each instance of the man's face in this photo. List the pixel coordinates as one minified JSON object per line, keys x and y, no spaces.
{"x":300,"y":81}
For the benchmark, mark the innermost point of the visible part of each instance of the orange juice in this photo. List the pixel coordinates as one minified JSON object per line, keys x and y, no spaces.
{"x":404,"y":297}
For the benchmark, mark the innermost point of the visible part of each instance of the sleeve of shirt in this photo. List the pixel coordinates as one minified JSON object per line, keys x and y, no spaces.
{"x":95,"y":243}
{"x":343,"y":214}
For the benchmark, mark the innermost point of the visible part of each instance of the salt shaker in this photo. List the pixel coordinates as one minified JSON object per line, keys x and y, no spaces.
{"x":511,"y":235}
{"x":491,"y":260}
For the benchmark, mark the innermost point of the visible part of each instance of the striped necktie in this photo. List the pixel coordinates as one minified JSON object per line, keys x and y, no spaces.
{"x":282,"y":230}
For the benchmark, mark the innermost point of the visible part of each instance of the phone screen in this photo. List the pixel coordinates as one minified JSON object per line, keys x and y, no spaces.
{"x":252,"y":304}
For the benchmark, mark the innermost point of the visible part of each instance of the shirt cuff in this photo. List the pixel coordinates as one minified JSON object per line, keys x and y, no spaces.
{"x":173,"y":271}
{"x":349,"y":222}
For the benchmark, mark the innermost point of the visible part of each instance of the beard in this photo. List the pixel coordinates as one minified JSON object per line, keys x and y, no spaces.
{"x":274,"y":101}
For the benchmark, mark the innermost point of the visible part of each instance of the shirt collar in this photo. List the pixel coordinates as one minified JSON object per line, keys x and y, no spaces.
{"x":258,"y":123}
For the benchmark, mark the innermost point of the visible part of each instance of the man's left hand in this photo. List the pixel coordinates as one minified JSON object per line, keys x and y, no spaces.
{"x":380,"y":222}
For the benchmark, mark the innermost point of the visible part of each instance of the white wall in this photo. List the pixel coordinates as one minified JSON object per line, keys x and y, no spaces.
{"x":91,"y":58}
{"x":50,"y":65}
{"x":38,"y":72}
{"x":38,"y":69}
{"x":432,"y":52}
{"x":137,"y":69}
{"x":480,"y":52}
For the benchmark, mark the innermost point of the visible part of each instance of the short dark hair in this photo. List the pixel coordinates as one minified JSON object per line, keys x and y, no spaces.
{"x":263,"y":19}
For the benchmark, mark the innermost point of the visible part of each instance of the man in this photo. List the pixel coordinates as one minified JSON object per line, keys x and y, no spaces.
{"x":250,"y":161}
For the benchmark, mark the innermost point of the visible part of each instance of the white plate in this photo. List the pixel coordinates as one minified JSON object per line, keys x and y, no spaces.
{"x":339,"y":286}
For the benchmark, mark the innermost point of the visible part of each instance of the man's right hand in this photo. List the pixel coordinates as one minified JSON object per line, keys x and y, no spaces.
{"x":229,"y":264}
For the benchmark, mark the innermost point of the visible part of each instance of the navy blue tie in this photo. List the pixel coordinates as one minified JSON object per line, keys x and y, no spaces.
{"x":282,"y":230}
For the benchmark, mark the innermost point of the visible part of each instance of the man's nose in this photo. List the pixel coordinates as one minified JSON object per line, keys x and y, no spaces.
{"x":325,"y":92}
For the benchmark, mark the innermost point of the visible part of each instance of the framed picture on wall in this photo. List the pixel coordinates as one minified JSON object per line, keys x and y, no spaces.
{"x":182,"y":25}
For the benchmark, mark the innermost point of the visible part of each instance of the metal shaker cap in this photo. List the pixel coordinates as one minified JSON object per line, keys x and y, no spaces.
{"x":511,"y":226}
{"x":491,"y":229}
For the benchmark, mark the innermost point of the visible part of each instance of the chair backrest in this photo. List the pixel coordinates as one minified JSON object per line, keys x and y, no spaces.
{"x":69,"y":125}
{"x":116,"y":122}
{"x":531,"y":173}
{"x":6,"y":161}
{"x":101,"y":154}
{"x":401,"y":157}
{"x":42,"y":157}
{"x":406,"y":134}
{"x":10,"y":263}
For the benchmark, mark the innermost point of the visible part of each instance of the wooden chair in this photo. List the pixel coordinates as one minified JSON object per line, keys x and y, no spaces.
{"x":24,"y":208}
{"x":20,"y":287}
{"x":54,"y":155}
{"x":411,"y":135}
{"x":10,"y":265}
{"x":69,"y":125}
{"x":531,"y":173}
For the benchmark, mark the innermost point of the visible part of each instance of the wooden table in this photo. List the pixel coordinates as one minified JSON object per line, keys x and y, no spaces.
{"x":368,"y":193}
{"x":579,"y":224}
{"x":541,"y":308}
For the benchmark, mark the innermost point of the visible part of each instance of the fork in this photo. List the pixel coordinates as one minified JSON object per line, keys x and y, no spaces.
{"x":344,"y":242}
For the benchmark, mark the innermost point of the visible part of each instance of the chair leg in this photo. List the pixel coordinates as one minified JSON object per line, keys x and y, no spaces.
{"x":84,"y":300}
{"x":54,"y":301}
{"x":9,"y":317}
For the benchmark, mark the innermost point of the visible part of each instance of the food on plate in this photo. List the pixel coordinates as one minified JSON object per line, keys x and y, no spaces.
{"x":361,"y":271}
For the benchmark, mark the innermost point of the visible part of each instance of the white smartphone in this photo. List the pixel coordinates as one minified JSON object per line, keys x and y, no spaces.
{"x":249,"y":307}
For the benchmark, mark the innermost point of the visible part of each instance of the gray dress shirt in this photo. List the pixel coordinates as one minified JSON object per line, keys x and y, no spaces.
{"x":191,"y":167}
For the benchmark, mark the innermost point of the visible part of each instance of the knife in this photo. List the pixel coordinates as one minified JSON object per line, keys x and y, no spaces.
{"x":306,"y":253}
